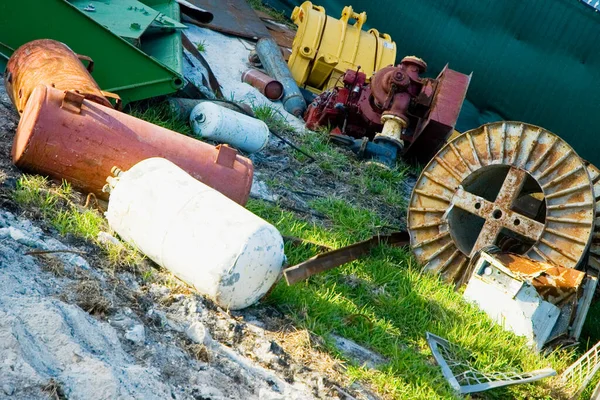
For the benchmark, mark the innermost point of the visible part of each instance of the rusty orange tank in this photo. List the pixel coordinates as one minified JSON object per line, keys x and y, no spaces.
{"x":51,"y":63}
{"x":65,"y":136}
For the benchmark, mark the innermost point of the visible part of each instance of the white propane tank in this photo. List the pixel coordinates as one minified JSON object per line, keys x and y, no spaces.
{"x":219,"y":124}
{"x":210,"y":242}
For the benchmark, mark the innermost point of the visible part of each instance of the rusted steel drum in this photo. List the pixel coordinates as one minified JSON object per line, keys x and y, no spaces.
{"x":65,"y":136}
{"x":271,"y":88}
{"x":51,"y":63}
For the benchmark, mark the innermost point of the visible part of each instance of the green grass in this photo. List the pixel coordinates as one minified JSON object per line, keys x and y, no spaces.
{"x":330,"y":158}
{"x":158,"y":112}
{"x":278,"y":16}
{"x":384,"y":182}
{"x":201,"y":46}
{"x":385,"y":303}
{"x":57,"y":206}
{"x":273,"y":118}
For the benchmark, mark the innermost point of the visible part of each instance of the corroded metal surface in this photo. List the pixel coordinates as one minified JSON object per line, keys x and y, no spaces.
{"x":69,"y":137}
{"x":233,"y":17}
{"x":594,"y":260}
{"x":555,"y":284}
{"x":468,"y":197}
{"x":51,"y":63}
{"x":271,"y":88}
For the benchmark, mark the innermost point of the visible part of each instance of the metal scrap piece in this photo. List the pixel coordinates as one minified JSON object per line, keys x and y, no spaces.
{"x":465,"y":379}
{"x":579,"y":374}
{"x":199,"y":14}
{"x":584,"y":303}
{"x":555,"y":284}
{"x":212,"y":79}
{"x":233,"y":17}
{"x":511,"y":301}
{"x":331,"y":259}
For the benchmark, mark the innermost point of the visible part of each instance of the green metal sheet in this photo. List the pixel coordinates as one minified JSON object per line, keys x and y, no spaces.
{"x":119,"y":66}
{"x":129,"y":19}
{"x":166,"y":48}
{"x":536,"y":61}
{"x":126,"y":18}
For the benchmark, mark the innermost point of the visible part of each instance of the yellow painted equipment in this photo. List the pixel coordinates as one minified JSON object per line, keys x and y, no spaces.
{"x":325,"y":47}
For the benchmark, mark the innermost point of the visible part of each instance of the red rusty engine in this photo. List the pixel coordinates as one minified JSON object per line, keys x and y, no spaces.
{"x":397,"y":108}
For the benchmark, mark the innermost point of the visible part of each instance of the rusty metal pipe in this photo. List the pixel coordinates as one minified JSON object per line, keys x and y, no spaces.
{"x":271,"y":88}
{"x":51,"y":63}
{"x":65,"y":136}
{"x":272,"y":60}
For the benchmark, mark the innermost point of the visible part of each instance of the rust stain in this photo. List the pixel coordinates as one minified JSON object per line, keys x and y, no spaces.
{"x":555,"y":284}
{"x":271,"y":88}
{"x":120,"y":140}
{"x":51,"y":63}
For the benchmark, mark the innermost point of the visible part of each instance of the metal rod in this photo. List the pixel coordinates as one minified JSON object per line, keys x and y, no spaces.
{"x":332,"y":259}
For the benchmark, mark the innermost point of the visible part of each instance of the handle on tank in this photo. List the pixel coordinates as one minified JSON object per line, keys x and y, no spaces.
{"x":115,"y":97}
{"x":90,"y":65}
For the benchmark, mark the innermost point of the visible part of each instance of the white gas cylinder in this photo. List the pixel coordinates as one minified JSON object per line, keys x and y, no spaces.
{"x":210,"y":242}
{"x":219,"y":124}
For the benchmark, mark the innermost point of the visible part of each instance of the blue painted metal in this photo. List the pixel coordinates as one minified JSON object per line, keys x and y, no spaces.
{"x":273,"y":62}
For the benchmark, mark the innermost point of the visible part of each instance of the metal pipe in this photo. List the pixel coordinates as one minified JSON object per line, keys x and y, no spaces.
{"x":271,"y":88}
{"x":271,"y":59}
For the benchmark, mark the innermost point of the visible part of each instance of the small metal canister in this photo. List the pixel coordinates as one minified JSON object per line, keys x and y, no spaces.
{"x":271,"y":88}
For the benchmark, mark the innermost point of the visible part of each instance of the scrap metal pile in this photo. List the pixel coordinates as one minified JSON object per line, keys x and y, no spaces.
{"x":508,"y":209}
{"x":377,"y":109}
{"x":402,"y":113}
{"x":69,"y":130}
{"x":524,"y":190}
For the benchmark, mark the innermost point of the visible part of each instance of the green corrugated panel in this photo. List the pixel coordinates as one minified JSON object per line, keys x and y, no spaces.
{"x":536,"y":61}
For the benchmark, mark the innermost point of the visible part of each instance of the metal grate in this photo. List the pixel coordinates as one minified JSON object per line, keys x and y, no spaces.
{"x":580,"y":373}
{"x":465,"y":379}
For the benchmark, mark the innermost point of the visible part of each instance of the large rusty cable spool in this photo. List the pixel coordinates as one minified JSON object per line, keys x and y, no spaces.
{"x":594,"y":260}
{"x":511,"y":184}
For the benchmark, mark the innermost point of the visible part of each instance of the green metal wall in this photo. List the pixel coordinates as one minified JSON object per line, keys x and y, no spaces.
{"x":536,"y":61}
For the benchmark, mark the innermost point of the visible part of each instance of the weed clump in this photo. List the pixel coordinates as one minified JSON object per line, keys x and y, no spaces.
{"x":58,"y":206}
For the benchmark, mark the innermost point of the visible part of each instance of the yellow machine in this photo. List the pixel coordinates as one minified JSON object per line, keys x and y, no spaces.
{"x":325,"y":47}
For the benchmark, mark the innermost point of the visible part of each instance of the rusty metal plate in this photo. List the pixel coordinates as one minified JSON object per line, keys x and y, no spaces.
{"x":556,"y":285}
{"x":284,"y":35}
{"x":471,"y":195}
{"x":234,"y":17}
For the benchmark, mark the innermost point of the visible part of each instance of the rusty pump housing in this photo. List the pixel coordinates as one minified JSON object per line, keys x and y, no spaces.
{"x":399,"y":110}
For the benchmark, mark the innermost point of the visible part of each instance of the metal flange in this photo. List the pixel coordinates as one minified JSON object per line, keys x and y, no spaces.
{"x":511,"y":184}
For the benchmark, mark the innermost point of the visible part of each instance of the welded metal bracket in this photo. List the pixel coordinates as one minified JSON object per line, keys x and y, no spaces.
{"x":72,"y":102}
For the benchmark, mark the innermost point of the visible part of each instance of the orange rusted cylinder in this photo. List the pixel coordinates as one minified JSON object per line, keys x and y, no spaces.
{"x":51,"y":63}
{"x":64,"y":136}
{"x":271,"y":88}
